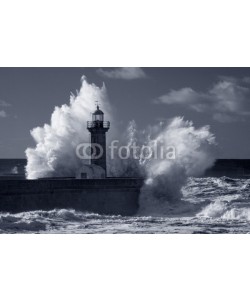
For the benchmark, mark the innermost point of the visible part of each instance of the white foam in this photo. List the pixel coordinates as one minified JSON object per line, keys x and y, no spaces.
{"x":165,"y":178}
{"x":54,"y":153}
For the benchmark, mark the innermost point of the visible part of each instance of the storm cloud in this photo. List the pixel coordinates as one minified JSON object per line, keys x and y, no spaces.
{"x":227,"y":100}
{"x":122,"y":73}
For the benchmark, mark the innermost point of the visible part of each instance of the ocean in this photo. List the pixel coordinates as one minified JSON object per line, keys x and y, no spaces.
{"x":208,"y":205}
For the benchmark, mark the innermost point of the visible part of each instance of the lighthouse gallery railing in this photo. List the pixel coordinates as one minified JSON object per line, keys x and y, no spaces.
{"x":98,"y":124}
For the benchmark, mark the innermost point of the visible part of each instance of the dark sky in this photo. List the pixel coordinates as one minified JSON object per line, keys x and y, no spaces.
{"x":219,"y":97}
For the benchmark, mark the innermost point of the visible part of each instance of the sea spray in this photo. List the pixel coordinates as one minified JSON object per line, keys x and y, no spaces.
{"x":165,"y":173}
{"x":54,"y":153}
{"x":165,"y":176}
{"x":130,"y":166}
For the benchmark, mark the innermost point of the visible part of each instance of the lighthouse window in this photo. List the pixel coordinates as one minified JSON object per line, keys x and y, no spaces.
{"x":98,"y":118}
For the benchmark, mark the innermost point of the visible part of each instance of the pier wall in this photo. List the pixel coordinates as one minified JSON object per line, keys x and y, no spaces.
{"x":103,"y":196}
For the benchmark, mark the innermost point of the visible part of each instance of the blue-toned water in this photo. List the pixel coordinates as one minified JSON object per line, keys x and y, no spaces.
{"x":208,"y":205}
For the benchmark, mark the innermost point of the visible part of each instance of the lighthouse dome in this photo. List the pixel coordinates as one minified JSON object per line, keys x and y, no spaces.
{"x":98,"y":115}
{"x":98,"y":111}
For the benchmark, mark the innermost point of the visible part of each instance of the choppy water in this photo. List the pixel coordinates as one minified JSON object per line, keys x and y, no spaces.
{"x":209,"y":205}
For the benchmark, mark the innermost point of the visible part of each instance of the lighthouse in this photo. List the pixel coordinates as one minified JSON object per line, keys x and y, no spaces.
{"x":98,"y":128}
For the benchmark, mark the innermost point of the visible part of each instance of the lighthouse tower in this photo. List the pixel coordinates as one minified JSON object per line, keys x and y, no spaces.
{"x":98,"y":128}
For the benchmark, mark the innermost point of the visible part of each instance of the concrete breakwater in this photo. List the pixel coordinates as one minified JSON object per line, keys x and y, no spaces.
{"x":118,"y":196}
